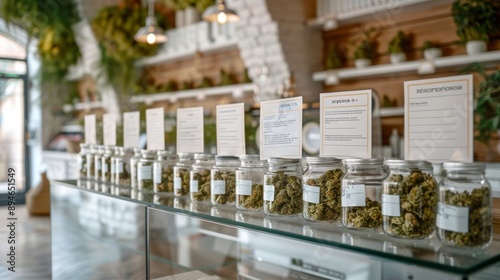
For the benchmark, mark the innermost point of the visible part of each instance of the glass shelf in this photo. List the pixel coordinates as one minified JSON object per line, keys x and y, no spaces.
{"x":427,"y":253}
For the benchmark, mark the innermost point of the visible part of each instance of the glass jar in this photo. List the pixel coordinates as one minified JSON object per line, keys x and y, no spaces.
{"x":464,"y":217}
{"x":106,"y":164}
{"x":362,"y":193}
{"x":145,"y":171}
{"x":98,"y":162}
{"x":122,"y":166}
{"x":82,"y":161}
{"x":250,"y":183}
{"x":223,"y":180}
{"x":322,"y":189}
{"x":134,"y":160}
{"x":92,"y":150}
{"x":181,"y":174}
{"x":199,"y":177}
{"x":283,"y":187}
{"x":163,"y":170}
{"x":409,"y":199}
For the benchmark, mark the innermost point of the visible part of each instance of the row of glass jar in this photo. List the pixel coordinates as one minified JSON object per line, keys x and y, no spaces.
{"x":400,"y":196}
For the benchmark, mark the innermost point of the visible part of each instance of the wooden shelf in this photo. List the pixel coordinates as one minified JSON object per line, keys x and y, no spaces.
{"x":201,"y":93}
{"x":333,"y":77}
{"x":83,"y":106}
{"x":185,"y":54}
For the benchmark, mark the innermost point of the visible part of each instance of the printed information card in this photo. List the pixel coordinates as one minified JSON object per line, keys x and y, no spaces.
{"x":439,"y":119}
{"x":190,"y":130}
{"x":346,"y":124}
{"x":131,"y":129}
{"x":231,"y":129}
{"x":109,"y":129}
{"x":155,"y":129}
{"x":90,"y":130}
{"x":281,"y":128}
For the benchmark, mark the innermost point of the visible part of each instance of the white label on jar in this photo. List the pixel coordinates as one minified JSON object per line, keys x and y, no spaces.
{"x":119,"y":167}
{"x":353,"y":195}
{"x":453,"y":218}
{"x":105,"y":168}
{"x":157,"y":174}
{"x":193,"y":186}
{"x":311,"y":194}
{"x":144,"y":173}
{"x":218,"y":187}
{"x":269,"y":192}
{"x":177,"y":183}
{"x":390,"y":205}
{"x":244,"y":187}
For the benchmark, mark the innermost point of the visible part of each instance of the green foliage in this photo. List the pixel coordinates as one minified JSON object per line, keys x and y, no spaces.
{"x":400,"y":43}
{"x":487,"y":108}
{"x":332,"y":60}
{"x":114,"y":28}
{"x":227,"y":79}
{"x":428,"y":45}
{"x":50,"y":21}
{"x":475,"y":19}
{"x":364,"y":45}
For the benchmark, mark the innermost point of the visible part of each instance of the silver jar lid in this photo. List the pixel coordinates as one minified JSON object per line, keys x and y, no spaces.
{"x":185,"y":156}
{"x":364,"y":161}
{"x":323,"y":160}
{"x":148,"y":154}
{"x":408,"y":163}
{"x":203,"y":157}
{"x":463,"y":166}
{"x":166,"y":155}
{"x":276,"y":160}
{"x":226,"y":158}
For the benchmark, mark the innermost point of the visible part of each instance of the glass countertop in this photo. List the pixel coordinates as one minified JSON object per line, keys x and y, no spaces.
{"x":429,"y":253}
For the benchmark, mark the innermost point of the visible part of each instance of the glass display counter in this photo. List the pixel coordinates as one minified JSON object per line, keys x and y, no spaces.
{"x":146,"y":236}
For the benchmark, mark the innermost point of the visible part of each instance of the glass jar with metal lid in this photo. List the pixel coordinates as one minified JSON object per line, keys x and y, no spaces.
{"x":106,"y":164}
{"x":362,"y":193}
{"x":283,"y":187}
{"x":199,"y":177}
{"x":409,"y":199}
{"x":82,"y":161}
{"x":145,"y":171}
{"x":322,"y":189}
{"x":181,"y":174}
{"x":122,"y":166}
{"x":134,"y":160}
{"x":92,"y":150}
{"x":98,"y":162}
{"x":250,"y":183}
{"x":223,"y":180}
{"x":163,"y":173}
{"x":464,"y":217}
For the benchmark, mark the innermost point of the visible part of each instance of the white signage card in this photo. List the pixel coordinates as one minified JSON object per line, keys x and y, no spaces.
{"x":439,"y":119}
{"x":131,"y":129}
{"x":155,"y":129}
{"x":281,"y":128}
{"x":90,"y":129}
{"x":190,"y":130}
{"x":231,"y":129}
{"x":109,"y":129}
{"x":346,"y":124}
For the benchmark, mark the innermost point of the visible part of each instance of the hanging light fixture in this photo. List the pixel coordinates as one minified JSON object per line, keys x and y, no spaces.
{"x":150,"y":33}
{"x":220,"y":13}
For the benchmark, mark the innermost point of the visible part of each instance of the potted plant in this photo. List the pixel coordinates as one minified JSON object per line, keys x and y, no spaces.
{"x":475,"y":21}
{"x":430,"y":50}
{"x":364,"y":49}
{"x":398,"y":45}
{"x":332,"y":59}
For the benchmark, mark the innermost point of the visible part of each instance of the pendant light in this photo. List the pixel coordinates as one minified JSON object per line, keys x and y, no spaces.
{"x":150,"y":33}
{"x":220,"y":13}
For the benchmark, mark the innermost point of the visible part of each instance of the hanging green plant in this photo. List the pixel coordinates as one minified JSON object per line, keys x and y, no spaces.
{"x":114,"y":28}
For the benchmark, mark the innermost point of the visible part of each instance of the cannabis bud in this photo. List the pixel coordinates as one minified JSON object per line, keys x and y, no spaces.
{"x":369,"y":216}
{"x":124,"y":175}
{"x":146,"y":184}
{"x":287,"y":194}
{"x":203,"y":178}
{"x":329,"y":206}
{"x":166,"y":184}
{"x":183,"y":173}
{"x":106,"y":171}
{"x":418,"y":200}
{"x":254,"y":200}
{"x":229,"y":178}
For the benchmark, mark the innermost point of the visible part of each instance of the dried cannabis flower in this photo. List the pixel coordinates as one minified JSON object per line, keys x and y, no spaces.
{"x":253,"y":201}
{"x":287,"y":195}
{"x":83,"y":167}
{"x":478,"y":202}
{"x":369,"y":216}
{"x":147,"y":184}
{"x":418,"y":200}
{"x":229,"y":178}
{"x":124,"y":176}
{"x":107,"y":174}
{"x":203,"y":178}
{"x":329,"y":208}
{"x":184,"y":174}
{"x":167,"y":181}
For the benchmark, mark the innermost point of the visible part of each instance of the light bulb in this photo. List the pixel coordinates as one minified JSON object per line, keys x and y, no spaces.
{"x":151,"y":38}
{"x":222,"y":18}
